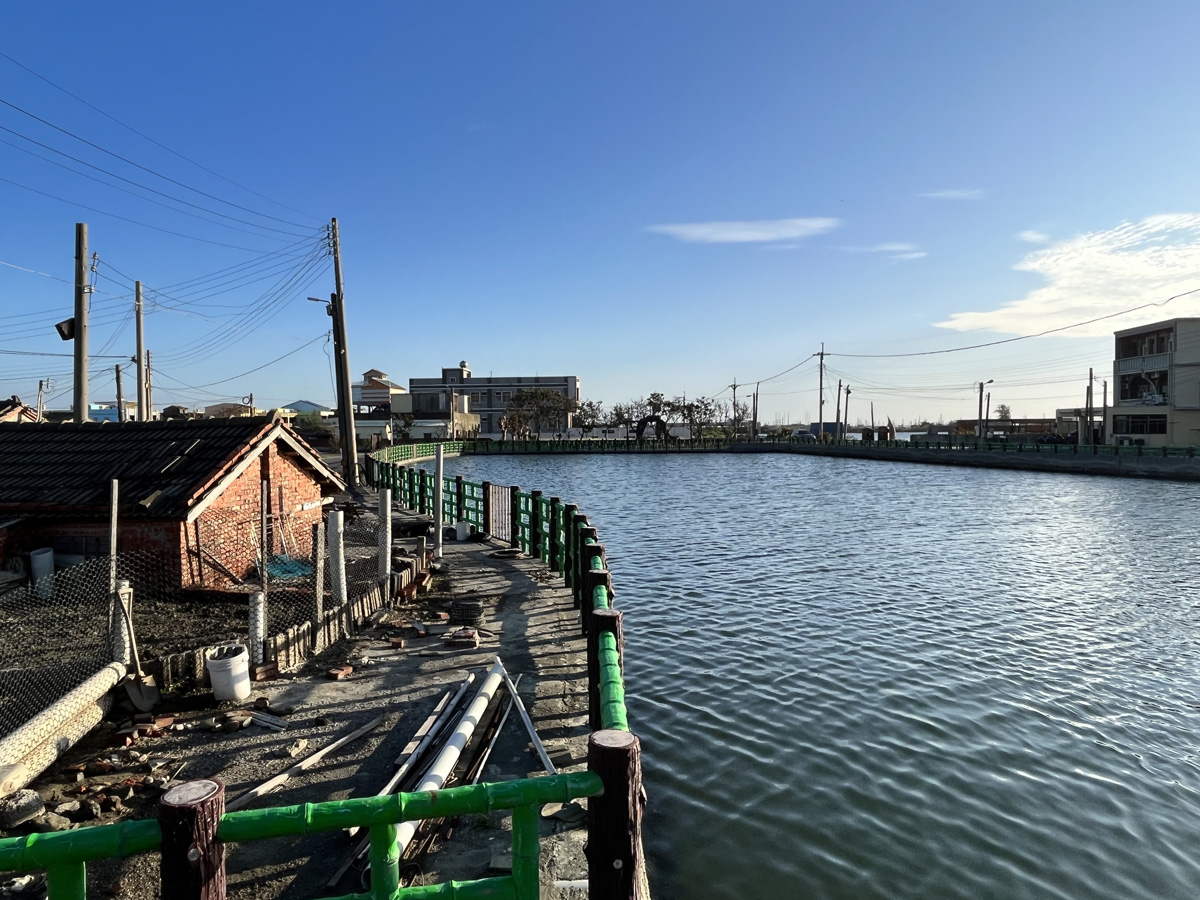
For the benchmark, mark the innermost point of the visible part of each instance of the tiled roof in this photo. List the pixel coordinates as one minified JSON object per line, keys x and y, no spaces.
{"x":161,"y":466}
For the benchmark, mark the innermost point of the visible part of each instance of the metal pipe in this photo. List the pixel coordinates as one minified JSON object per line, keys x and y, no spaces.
{"x":438,"y":516}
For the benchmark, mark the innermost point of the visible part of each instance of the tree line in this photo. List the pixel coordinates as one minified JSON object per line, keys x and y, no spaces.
{"x":536,"y":410}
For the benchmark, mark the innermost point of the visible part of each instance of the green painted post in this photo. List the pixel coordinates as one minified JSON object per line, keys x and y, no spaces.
{"x":535,"y":524}
{"x":526,"y":851}
{"x":67,"y":881}
{"x":385,"y":862}
{"x":570,"y":547}
{"x":556,"y":549}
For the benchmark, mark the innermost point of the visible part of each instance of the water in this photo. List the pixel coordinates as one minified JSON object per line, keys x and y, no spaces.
{"x":870,"y":680}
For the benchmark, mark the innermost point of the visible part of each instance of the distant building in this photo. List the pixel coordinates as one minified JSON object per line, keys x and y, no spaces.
{"x":304,"y":407}
{"x":377,"y":392}
{"x":13,"y":410}
{"x":488,"y":396}
{"x":1156,"y":385}
{"x":110,"y":412}
{"x":228,"y":410}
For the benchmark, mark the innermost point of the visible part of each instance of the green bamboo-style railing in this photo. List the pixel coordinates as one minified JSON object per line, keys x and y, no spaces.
{"x":541,"y":527}
{"x":64,"y":855}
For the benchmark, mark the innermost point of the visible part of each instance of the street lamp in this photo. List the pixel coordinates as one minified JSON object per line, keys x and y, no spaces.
{"x":981,"y":384}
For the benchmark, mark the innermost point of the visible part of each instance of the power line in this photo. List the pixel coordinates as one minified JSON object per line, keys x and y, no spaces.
{"x":135,"y":184}
{"x":148,"y":138}
{"x":130,"y":162}
{"x":197,"y":387}
{"x":102,"y":212}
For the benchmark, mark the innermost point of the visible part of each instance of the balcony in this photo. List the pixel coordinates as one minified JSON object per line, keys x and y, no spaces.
{"x":1155,"y":362}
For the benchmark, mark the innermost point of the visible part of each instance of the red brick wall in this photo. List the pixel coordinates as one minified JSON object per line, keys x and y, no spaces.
{"x":229,"y":528}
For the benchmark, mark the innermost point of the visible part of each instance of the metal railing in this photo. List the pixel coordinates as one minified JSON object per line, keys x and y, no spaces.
{"x":486,"y":446}
{"x":970,"y":443}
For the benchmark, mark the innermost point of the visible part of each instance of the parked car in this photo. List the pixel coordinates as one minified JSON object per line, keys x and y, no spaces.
{"x":804,"y":437}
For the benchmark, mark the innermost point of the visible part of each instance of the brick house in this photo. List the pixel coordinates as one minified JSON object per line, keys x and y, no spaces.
{"x":190,"y":493}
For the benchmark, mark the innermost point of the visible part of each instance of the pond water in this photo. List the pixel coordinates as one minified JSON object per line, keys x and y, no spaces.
{"x":864,"y":679}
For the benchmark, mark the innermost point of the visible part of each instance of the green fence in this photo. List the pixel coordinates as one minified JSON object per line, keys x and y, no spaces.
{"x":1049,"y":448}
{"x":64,"y":855}
{"x":595,"y":445}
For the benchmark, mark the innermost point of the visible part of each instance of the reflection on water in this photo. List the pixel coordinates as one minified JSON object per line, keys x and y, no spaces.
{"x":861,"y":680}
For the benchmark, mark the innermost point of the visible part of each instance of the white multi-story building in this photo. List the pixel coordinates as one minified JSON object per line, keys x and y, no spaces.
{"x":1156,"y":378}
{"x":489,"y":395}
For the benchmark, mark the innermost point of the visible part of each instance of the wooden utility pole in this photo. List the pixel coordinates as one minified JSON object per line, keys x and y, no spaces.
{"x":120,"y":396}
{"x":837,"y":416}
{"x":345,"y":405}
{"x":821,"y":394}
{"x":81,"y":324}
{"x":141,"y":352}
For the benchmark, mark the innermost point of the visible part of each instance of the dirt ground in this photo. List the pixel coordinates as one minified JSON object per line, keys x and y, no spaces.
{"x":536,"y":635}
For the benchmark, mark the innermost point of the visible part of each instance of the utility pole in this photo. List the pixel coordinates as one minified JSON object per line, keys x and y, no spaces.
{"x":1104,"y":415}
{"x":987,"y":414}
{"x":141,"y":353}
{"x":120,"y":396}
{"x":837,"y":416}
{"x":735,"y":409}
{"x":41,"y":394}
{"x":755,"y":434}
{"x":149,"y":387}
{"x":345,"y":409}
{"x":821,"y":394}
{"x":81,"y":323}
{"x":846,"y":412}
{"x":979,"y":423}
{"x":1091,"y":381}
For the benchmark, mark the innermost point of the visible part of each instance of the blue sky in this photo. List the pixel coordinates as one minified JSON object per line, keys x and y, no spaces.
{"x":656,"y":197}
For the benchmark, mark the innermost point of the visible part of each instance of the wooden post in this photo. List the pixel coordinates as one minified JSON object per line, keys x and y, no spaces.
{"x":264,"y":548}
{"x":616,"y":868}
{"x":555,"y":534}
{"x":592,"y":579}
{"x":385,"y":544}
{"x":486,"y":511}
{"x":514,"y":515}
{"x":193,"y":860}
{"x":581,"y":526}
{"x":460,"y":499}
{"x":601,"y":620}
{"x":337,"y":558}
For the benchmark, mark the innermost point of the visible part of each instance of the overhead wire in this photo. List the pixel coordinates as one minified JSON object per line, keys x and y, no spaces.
{"x":148,"y":138}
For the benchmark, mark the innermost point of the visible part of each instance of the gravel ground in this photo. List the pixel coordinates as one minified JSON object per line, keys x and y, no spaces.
{"x":537,"y":636}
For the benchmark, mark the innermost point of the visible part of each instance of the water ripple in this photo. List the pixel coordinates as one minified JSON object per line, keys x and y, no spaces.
{"x":859,"y":680}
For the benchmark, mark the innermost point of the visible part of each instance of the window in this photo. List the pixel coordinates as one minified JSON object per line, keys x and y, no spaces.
{"x":1139,"y":424}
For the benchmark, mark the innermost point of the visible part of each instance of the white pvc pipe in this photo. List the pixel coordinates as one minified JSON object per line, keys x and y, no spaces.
{"x":438,"y":516}
{"x":436,"y":777}
{"x":337,"y":557}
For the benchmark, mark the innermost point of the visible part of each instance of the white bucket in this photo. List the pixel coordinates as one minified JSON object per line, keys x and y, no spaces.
{"x":230,"y":676}
{"x":41,"y":565}
{"x":462,"y":530}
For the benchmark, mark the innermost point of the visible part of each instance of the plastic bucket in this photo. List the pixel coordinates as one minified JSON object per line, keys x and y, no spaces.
{"x":229,"y":671}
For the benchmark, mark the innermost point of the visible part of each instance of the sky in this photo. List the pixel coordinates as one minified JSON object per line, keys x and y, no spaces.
{"x":654,"y":196}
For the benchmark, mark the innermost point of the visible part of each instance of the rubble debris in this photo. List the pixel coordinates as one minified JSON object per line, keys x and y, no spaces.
{"x":20,"y":806}
{"x":340,"y":673}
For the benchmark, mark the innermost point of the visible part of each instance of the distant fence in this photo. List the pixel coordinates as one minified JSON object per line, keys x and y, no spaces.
{"x":487,"y":446}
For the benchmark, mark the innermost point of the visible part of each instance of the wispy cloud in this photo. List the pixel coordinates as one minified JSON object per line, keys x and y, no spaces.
{"x":1034,"y":237}
{"x":899,"y":252}
{"x":763,"y":231}
{"x":972,"y":194}
{"x":1099,"y":274}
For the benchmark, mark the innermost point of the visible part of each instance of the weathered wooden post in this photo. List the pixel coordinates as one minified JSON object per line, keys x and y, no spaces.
{"x":556,"y":511}
{"x":486,"y":511}
{"x":460,"y":499}
{"x":535,"y":524}
{"x":586,"y":533}
{"x":193,"y":860}
{"x":601,"y":621}
{"x":514,"y":515}
{"x":616,"y":868}
{"x":592,"y":579}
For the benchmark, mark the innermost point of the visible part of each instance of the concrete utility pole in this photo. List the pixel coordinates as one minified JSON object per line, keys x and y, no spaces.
{"x":149,"y":387}
{"x":821,"y":394}
{"x":735,"y":411}
{"x":120,"y":396}
{"x":345,"y":406}
{"x":1091,"y":381}
{"x":979,"y":423}
{"x":846,"y":412}
{"x":837,"y":416}
{"x":141,"y":352}
{"x":1104,"y":415}
{"x":81,"y":327}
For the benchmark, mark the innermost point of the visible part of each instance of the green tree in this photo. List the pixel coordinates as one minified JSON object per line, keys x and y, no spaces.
{"x":539,"y":408}
{"x":589,"y":414}
{"x":1003,"y":413}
